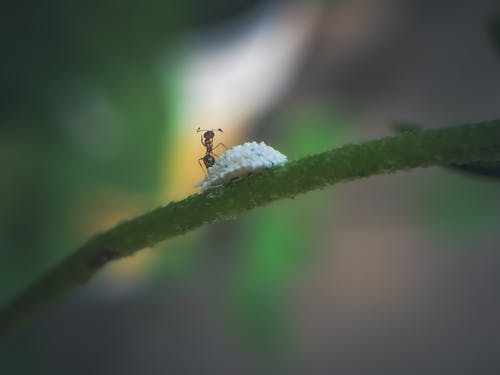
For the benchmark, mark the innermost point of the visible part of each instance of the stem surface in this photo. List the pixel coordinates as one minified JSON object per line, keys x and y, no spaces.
{"x":416,"y":148}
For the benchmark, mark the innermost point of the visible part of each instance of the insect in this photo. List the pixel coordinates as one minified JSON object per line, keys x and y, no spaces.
{"x":207,"y":140}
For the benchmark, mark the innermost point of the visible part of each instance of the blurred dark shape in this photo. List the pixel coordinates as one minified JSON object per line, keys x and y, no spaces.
{"x":482,"y":169}
{"x":494,"y":28}
{"x":43,"y":42}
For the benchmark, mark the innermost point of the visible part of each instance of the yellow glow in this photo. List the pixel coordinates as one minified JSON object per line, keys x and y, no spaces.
{"x":221,"y":86}
{"x":131,"y":267}
{"x":185,"y":171}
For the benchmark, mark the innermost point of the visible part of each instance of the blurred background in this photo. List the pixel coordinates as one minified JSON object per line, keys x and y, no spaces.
{"x":100,"y":101}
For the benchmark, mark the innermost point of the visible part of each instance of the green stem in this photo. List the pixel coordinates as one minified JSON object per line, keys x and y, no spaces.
{"x":417,"y":148}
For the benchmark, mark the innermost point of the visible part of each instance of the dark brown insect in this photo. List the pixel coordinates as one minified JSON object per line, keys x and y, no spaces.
{"x":207,"y":140}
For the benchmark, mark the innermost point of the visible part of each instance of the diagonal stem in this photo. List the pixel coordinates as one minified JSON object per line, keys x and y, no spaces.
{"x":416,"y":148}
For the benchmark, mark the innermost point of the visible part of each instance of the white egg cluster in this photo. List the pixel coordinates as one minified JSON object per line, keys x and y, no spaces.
{"x":240,"y":161}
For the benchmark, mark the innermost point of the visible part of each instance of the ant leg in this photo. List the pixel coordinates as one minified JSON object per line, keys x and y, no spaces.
{"x":201,"y":165}
{"x":220,"y":144}
{"x":201,"y":140}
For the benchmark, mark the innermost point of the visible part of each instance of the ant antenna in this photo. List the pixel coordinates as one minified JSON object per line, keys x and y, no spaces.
{"x":204,"y":130}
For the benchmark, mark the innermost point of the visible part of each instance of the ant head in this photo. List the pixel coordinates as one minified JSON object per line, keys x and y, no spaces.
{"x":209,"y":134}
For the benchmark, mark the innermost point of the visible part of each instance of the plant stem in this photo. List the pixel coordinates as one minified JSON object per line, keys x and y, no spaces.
{"x":417,"y":148}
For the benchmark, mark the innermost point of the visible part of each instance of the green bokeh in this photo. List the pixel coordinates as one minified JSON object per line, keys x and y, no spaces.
{"x":280,"y":242}
{"x":83,"y":111}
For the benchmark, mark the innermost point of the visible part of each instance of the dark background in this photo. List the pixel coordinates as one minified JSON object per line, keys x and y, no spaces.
{"x":393,"y":274}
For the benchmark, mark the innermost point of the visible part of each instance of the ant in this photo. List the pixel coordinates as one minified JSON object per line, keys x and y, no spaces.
{"x":207,"y":140}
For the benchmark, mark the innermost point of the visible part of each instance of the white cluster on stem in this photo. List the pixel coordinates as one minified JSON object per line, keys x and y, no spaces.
{"x":240,"y":161}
